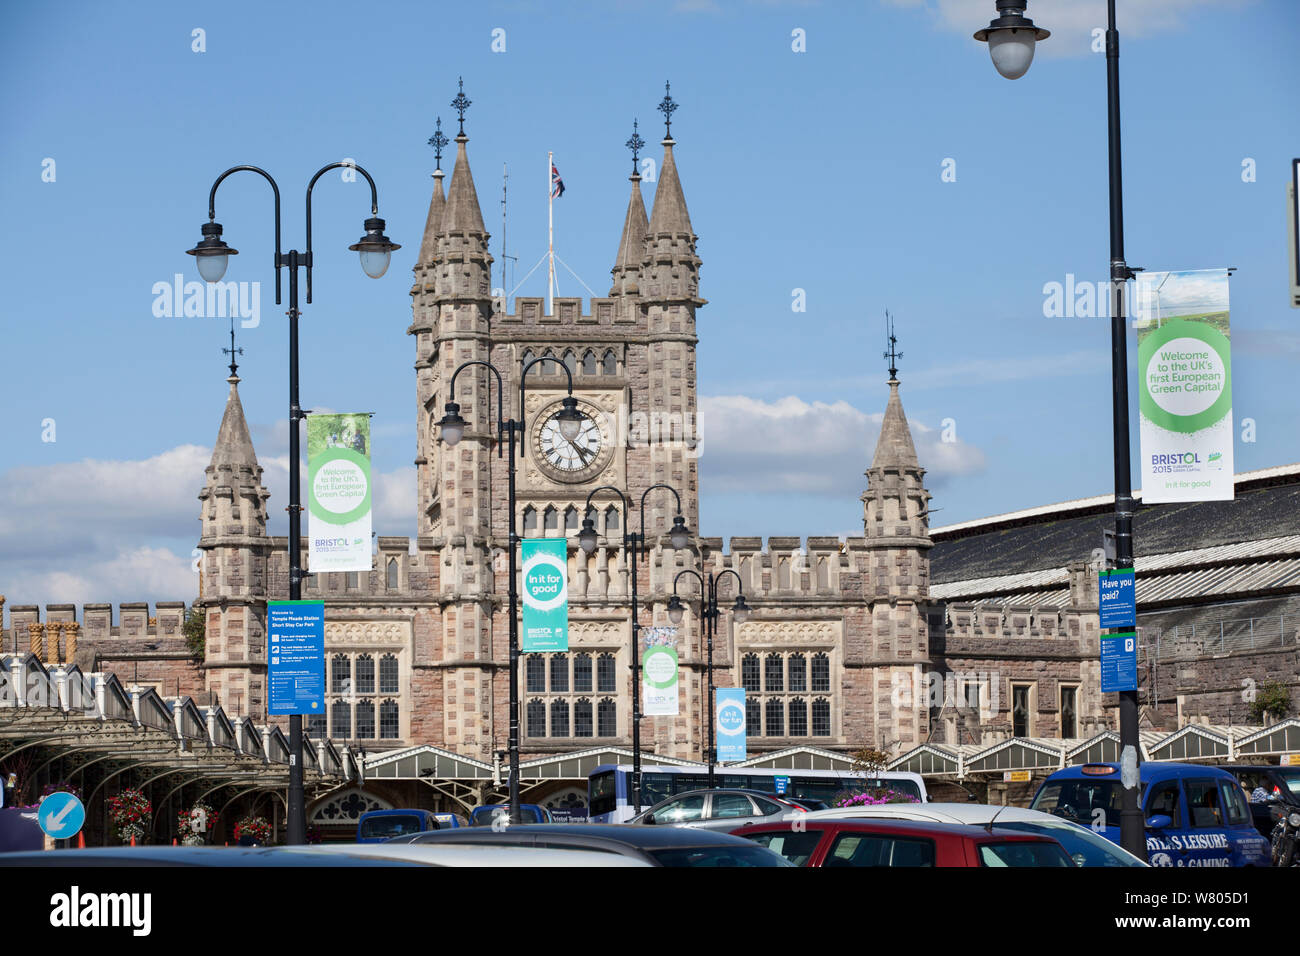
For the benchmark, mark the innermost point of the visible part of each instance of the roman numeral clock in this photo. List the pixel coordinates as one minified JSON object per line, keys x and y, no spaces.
{"x":580,"y":461}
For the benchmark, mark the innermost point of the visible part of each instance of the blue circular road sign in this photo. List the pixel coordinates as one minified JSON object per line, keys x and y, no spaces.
{"x":61,"y":815}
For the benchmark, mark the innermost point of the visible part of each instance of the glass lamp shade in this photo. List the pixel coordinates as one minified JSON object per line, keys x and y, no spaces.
{"x":212,"y":268}
{"x":587,"y":536}
{"x":1012,"y":51}
{"x":676,"y":610}
{"x":569,"y":419}
{"x":452,"y":425}
{"x":680,"y":535}
{"x":740,"y":610}
{"x":375,"y":263}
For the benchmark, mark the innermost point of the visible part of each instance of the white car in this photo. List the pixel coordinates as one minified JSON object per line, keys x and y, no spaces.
{"x":1084,"y":846}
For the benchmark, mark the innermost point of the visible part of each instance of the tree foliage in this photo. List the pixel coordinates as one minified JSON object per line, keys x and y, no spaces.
{"x":195,"y":630}
{"x":1272,"y":698}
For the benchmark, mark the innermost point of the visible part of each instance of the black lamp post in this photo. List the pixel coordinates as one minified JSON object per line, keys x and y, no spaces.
{"x":679,"y":537}
{"x":212,"y":256}
{"x":1011,"y":40}
{"x":709,"y":611}
{"x":452,"y":427}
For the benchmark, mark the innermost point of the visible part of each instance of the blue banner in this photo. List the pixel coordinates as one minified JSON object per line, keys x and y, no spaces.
{"x":1117,"y":598}
{"x":545,"y":592}
{"x":1119,"y":662}
{"x":731,"y":724}
{"x":295,"y":673}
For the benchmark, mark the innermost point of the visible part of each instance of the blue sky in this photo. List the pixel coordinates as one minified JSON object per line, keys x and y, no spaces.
{"x":820,"y":171}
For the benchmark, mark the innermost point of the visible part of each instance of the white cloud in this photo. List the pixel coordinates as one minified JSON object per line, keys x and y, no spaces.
{"x":1071,"y":23}
{"x":750,"y":447}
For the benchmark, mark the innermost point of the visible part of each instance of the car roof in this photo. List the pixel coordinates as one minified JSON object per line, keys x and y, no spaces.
{"x":1149,"y":771}
{"x":349,"y":854}
{"x":612,"y":835}
{"x":913,"y":827}
{"x":970,"y":813}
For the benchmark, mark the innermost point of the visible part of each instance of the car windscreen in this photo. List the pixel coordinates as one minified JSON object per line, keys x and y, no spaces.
{"x":483,"y":816}
{"x":1291,"y":777}
{"x":1085,"y":847}
{"x":707,"y":856}
{"x":796,"y":846}
{"x":1023,"y":854}
{"x":1087,"y":802}
{"x":381,"y":828}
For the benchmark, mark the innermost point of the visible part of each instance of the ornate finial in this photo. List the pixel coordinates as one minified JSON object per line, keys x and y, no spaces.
{"x":460,"y":104}
{"x":438,"y":140}
{"x":636,"y":144}
{"x":667,"y":106}
{"x":892,"y":354}
{"x":232,"y":351}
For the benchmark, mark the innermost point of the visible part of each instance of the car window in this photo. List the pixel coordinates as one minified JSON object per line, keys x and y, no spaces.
{"x":1234,"y":804}
{"x":717,"y":856}
{"x":1203,"y":806}
{"x":1083,"y":801}
{"x":1164,"y":799}
{"x":730,"y":805}
{"x":769,"y":807}
{"x":794,"y":846}
{"x":1023,"y":854}
{"x":1086,"y":847}
{"x":684,"y":810}
{"x":873,"y":849}
{"x":1291,"y":777}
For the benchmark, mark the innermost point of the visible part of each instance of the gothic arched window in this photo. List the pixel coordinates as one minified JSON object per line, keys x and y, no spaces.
{"x":821,"y":717}
{"x":536,"y":718}
{"x":366,"y":720}
{"x":526,"y":357}
{"x":388,"y":674}
{"x":583,"y":725}
{"x":340,"y":674}
{"x":550,"y":519}
{"x":606,"y":718}
{"x":392,"y":574}
{"x":749,"y":674}
{"x":365,"y":681}
{"x":609,"y":364}
{"x":340,"y":720}
{"x":535,"y":671}
{"x":559,"y":718}
{"x":753,"y":718}
{"x":798,"y":717}
{"x":570,"y":518}
{"x":389,"y":725}
{"x":559,"y":674}
{"x":589,"y":362}
{"x":582,"y":673}
{"x":783,"y":573}
{"x":775,"y":718}
{"x":821,"y":674}
{"x":605,"y":683}
{"x":530,"y":519}
{"x":823,"y":574}
{"x":798,"y":668}
{"x":773,"y":678}
{"x":612,"y":519}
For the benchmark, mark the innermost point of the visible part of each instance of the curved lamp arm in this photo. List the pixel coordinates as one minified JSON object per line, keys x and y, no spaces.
{"x":676,"y":496}
{"x":212,"y":215}
{"x":374,"y":211}
{"x":453,"y":408}
{"x":523,"y":376}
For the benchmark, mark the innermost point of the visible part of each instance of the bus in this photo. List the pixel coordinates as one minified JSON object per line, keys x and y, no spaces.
{"x":609,"y":786}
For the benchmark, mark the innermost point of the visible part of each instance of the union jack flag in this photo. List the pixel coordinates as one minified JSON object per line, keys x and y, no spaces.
{"x":557,"y":184}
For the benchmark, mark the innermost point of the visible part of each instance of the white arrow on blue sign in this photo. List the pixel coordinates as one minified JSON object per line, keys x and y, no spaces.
{"x":61,"y":815}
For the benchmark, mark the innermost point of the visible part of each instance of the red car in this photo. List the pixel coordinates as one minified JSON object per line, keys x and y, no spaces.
{"x":903,"y":843}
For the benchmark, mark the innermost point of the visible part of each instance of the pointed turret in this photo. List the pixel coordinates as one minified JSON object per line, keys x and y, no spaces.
{"x":896,"y":503}
{"x":670,"y":217}
{"x":433,"y":222}
{"x":233,"y":474}
{"x":631,"y":245}
{"x":462,"y":214}
{"x":894,"y":448}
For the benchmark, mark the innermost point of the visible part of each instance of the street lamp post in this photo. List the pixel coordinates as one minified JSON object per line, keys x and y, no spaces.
{"x":679,"y":537}
{"x":1011,"y":40}
{"x":709,"y":611}
{"x":452,"y":427}
{"x":212,"y":256}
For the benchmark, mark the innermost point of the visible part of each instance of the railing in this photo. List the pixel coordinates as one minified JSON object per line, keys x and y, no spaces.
{"x":1215,"y":638}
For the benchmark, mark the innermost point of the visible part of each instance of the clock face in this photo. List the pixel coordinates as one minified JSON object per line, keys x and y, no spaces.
{"x":576,"y":460}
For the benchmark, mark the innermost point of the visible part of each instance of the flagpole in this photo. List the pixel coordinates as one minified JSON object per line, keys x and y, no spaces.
{"x":550,"y":231}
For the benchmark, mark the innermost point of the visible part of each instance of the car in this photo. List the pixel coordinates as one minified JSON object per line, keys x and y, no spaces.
{"x":1085,"y":846}
{"x":377,"y":826}
{"x":806,"y":802}
{"x":335,"y":855}
{"x":721,"y":810}
{"x":1195,"y":815}
{"x":1267,"y":786}
{"x":655,"y":846}
{"x":488,"y":814}
{"x":826,"y":842}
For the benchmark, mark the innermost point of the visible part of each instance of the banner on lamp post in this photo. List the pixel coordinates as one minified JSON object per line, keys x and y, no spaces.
{"x":659,"y":672}
{"x":338,"y":493}
{"x":731,"y":724}
{"x":1184,"y":385}
{"x":545,"y":591}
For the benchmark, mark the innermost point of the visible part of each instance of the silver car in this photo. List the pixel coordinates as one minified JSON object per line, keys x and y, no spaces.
{"x":718,"y":809}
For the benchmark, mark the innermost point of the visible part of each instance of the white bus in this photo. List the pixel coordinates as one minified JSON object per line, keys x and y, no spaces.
{"x":609,"y":786}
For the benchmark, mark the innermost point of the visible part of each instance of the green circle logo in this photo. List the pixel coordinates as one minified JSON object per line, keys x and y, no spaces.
{"x":340,"y":486}
{"x":659,"y":667}
{"x":1185,"y":371}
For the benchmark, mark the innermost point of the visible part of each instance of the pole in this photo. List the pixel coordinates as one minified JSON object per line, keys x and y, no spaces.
{"x":1132,"y":836}
{"x":296,"y":809}
{"x":514,"y":634}
{"x":550,"y":232}
{"x":711,"y":619}
{"x":631,"y":540}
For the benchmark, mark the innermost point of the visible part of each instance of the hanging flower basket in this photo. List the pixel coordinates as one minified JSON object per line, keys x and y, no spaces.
{"x":194,"y":825}
{"x":256,"y":829}
{"x":130,"y":813}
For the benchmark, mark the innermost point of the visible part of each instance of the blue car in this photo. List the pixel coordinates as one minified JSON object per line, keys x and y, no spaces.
{"x":1195,"y":816}
{"x":528,"y":813}
{"x":378,"y":826}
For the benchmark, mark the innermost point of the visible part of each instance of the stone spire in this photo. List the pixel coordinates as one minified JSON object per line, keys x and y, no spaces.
{"x":234,"y":478}
{"x":896,"y":502}
{"x":894,"y":449}
{"x":670,"y":216}
{"x":462,"y":213}
{"x":437,"y":204}
{"x":631,"y":245}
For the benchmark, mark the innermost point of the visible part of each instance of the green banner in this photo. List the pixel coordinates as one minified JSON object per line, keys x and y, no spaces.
{"x":659,"y":671}
{"x":338,"y":493}
{"x":545,"y":587}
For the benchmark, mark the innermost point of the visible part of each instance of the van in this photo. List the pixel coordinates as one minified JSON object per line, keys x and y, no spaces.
{"x":1195,"y":815}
